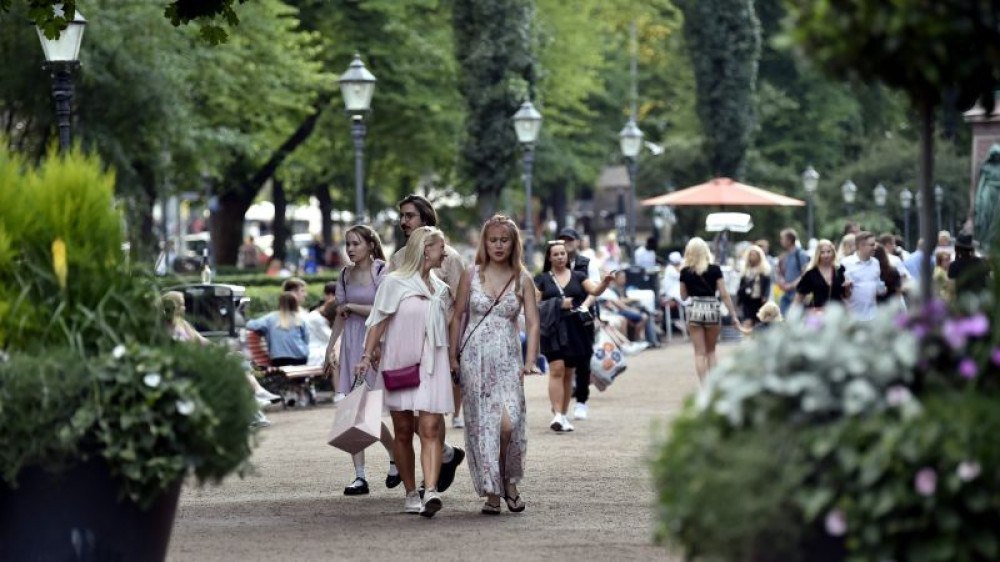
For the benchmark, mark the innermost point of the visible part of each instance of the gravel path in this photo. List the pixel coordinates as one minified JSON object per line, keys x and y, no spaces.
{"x":588,"y":492}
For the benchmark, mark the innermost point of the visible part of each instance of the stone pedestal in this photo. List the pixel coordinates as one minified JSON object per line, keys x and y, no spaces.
{"x":985,"y":133}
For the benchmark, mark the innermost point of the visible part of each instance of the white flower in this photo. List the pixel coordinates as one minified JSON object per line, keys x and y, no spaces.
{"x":118,"y":352}
{"x":836,"y":523}
{"x":968,"y":470}
{"x":152,"y":380}
{"x":185,"y":407}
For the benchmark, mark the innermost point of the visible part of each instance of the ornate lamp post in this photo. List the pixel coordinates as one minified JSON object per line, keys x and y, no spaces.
{"x":881,"y":194}
{"x":630,"y":139}
{"x":906,"y":201}
{"x":61,"y":59}
{"x":850,"y":192}
{"x":810,"y":180}
{"x":938,"y":203}
{"x":527,"y":124}
{"x":357,"y":86}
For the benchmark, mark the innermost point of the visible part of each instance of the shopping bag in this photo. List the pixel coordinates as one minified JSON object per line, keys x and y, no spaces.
{"x":607,"y":361}
{"x":357,"y":422}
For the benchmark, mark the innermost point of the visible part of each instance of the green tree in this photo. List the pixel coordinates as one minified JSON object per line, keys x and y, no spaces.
{"x":723,"y":38}
{"x":932,"y":51}
{"x":493,"y":49}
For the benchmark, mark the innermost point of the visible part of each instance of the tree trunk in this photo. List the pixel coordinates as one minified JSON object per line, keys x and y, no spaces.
{"x":559,"y":206}
{"x":926,"y":210}
{"x":227,"y":226}
{"x":487,"y":201}
{"x":279,"y":226}
{"x":322,"y":193}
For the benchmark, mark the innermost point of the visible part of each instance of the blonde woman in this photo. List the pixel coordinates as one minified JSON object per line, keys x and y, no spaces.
{"x":823,"y":280}
{"x":409,"y":321}
{"x":286,"y":333}
{"x":702,"y":282}
{"x":848,"y":245}
{"x":755,"y":285}
{"x":180,"y":329}
{"x":495,"y":291}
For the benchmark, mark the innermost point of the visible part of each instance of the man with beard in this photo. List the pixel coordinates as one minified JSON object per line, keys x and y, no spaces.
{"x":416,"y":211}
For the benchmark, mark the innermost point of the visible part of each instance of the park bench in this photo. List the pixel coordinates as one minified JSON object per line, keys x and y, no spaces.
{"x":278,"y":379}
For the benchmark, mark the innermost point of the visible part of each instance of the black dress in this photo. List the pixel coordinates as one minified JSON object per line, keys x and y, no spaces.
{"x":813,"y":283}
{"x":580,"y":339}
{"x":750,"y":304}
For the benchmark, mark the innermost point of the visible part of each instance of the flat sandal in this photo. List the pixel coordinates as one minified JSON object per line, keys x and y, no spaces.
{"x":491,"y":509}
{"x":515,"y":505}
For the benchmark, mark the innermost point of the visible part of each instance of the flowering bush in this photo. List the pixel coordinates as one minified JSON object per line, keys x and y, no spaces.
{"x":828,"y":439}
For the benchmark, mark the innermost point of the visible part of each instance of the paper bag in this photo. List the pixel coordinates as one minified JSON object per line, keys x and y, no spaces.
{"x":607,"y":361}
{"x":357,"y":422}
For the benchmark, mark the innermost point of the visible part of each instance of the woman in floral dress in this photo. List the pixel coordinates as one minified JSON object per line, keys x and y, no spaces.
{"x":487,"y":357}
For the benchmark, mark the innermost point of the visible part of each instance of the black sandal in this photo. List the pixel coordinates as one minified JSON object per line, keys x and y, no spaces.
{"x":491,"y":509}
{"x":515,"y":505}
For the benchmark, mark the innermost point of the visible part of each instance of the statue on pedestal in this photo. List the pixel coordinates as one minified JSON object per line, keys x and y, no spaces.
{"x":987,"y":209}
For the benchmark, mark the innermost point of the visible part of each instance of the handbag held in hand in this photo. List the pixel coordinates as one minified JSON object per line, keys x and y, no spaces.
{"x":357,"y":422}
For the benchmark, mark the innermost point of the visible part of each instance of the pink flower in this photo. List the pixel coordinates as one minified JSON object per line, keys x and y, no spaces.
{"x":995,"y":356}
{"x":813,"y":321}
{"x":968,"y":470}
{"x":975,"y":325}
{"x":954,"y":333}
{"x":902,"y":320}
{"x":926,"y":482}
{"x":968,"y":368}
{"x":836,"y":523}
{"x":897,"y":395}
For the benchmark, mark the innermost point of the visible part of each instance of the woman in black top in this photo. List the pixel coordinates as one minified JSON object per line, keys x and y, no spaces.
{"x":755,"y":285}
{"x":567,"y":330}
{"x":700,"y":281}
{"x":823,"y":281}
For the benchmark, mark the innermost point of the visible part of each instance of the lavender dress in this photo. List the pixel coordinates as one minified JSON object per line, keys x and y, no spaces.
{"x":352,"y":340}
{"x":491,"y":386}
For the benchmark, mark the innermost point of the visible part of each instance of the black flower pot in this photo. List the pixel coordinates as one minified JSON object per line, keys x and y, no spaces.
{"x":77,"y":516}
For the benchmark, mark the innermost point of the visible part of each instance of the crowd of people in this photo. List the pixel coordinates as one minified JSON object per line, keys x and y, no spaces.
{"x":442,"y":337}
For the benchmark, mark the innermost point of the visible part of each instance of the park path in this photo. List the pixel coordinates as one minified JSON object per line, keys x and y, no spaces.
{"x":588,"y":493}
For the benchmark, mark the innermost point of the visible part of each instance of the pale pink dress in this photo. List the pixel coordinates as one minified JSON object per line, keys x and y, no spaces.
{"x":405,"y":344}
{"x":491,"y":387}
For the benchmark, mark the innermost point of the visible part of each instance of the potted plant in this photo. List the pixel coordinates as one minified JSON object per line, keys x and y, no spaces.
{"x":829,"y":439}
{"x":103,"y":416}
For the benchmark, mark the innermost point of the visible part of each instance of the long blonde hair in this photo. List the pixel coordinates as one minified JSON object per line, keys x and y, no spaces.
{"x":847,"y":242}
{"x":814,"y":262}
{"x":697,"y":256}
{"x":288,"y":311}
{"x":413,"y":253}
{"x":763,"y":266}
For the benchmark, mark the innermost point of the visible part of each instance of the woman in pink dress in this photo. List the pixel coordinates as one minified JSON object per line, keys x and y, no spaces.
{"x":408,"y":327}
{"x":353,"y":297}
{"x":492,"y":372}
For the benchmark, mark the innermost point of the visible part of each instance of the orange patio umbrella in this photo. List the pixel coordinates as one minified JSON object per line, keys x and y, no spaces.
{"x":723,"y":191}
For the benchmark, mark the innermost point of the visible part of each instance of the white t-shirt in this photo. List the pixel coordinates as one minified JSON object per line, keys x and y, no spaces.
{"x":319,"y":336}
{"x":645,"y":257}
{"x":865,"y":277}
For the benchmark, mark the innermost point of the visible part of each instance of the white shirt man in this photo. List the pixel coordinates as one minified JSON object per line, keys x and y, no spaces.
{"x":864,"y":277}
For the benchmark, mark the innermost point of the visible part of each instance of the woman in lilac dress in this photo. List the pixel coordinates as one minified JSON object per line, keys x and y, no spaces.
{"x":409,"y":324}
{"x":492,"y":372}
{"x":353,"y":298}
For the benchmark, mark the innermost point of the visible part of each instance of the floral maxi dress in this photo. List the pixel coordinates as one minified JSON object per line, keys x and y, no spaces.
{"x":491,"y":386}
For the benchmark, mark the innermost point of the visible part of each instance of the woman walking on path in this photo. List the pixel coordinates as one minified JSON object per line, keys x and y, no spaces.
{"x":409,"y":320}
{"x":567,"y":330}
{"x":491,"y":370}
{"x":354,"y":294}
{"x":702,"y":281}
{"x":823,"y":280}
{"x":755,"y":285}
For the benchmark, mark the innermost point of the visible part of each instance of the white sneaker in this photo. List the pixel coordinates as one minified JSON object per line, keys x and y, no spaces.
{"x":458,"y":422}
{"x":338,"y":396}
{"x":632,"y":348}
{"x":271,"y":398}
{"x":580,"y":411}
{"x":566,"y":426}
{"x":412,"y":504}
{"x":557,"y":422}
{"x":432,"y":503}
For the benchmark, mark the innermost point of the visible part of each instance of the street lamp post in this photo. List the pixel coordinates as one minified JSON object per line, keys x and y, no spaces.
{"x":938,"y":202}
{"x":61,"y":59}
{"x":850,"y":192}
{"x":881,"y":194}
{"x":357,"y":86}
{"x":630,"y":139}
{"x":906,"y":201}
{"x":810,"y":180}
{"x":527,"y":124}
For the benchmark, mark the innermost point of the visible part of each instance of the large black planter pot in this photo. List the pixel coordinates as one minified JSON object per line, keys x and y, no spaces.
{"x":76,"y":516}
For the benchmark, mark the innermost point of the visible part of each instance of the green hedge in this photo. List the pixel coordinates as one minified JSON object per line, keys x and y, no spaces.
{"x":251,"y":279}
{"x":264,"y":299}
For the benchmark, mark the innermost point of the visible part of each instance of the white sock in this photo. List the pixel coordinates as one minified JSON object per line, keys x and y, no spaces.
{"x":447,"y":454}
{"x":359,"y":464}
{"x":393,"y":471}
